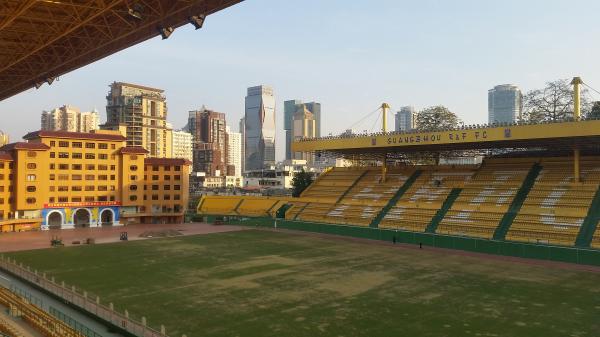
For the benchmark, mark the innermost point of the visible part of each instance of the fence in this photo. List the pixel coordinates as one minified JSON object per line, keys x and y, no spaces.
{"x":82,"y":329}
{"x":496,"y":247}
{"x":81,"y":301}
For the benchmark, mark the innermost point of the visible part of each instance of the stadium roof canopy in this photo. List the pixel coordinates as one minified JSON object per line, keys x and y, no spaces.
{"x":554,"y":136}
{"x":43,"y":39}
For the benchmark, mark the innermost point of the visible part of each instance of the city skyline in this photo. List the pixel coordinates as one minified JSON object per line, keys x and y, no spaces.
{"x":346,"y":61}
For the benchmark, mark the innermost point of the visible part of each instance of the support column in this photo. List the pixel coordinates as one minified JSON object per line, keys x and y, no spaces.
{"x":384,"y":108}
{"x":576,"y":82}
{"x":576,"y":173}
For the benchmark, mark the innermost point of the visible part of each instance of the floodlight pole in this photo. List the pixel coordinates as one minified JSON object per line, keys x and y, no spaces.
{"x":384,"y":110}
{"x":576,"y":82}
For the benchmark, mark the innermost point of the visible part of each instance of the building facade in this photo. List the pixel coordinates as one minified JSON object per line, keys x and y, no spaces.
{"x":243,"y":144}
{"x":405,"y":119}
{"x":505,"y":104}
{"x":69,"y":118}
{"x":289,"y":109}
{"x":304,"y":126}
{"x":4,"y":139}
{"x":209,"y":137}
{"x":234,"y":151}
{"x":182,"y":145}
{"x":142,"y":113}
{"x":59,"y":179}
{"x":259,"y":129}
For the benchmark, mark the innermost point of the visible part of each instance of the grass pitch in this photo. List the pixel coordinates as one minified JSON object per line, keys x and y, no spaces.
{"x":256,"y":283}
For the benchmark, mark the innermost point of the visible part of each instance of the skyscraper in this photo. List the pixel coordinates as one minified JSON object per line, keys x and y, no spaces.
{"x":505,"y":103}
{"x":69,"y":118}
{"x":142,"y":111}
{"x":304,"y":126}
{"x":405,"y":119}
{"x":208,"y":129}
{"x":289,"y":109}
{"x":234,"y":151}
{"x":259,"y":128}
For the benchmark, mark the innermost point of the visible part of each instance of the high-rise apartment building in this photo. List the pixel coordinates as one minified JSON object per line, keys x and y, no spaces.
{"x":141,"y":112}
{"x":304,"y":126}
{"x":182,"y":145}
{"x":505,"y":104}
{"x":69,"y":118}
{"x":208,"y":129}
{"x":3,"y":138}
{"x":289,"y":109}
{"x":405,"y":119}
{"x":259,"y":128}
{"x":234,"y":151}
{"x":243,"y":143}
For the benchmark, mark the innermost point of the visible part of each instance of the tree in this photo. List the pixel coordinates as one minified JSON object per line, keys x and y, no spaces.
{"x":595,"y":111}
{"x":300,"y":182}
{"x":552,"y":103}
{"x":436,"y":118}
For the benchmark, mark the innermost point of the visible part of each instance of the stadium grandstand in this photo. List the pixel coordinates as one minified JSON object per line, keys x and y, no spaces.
{"x":538,"y":185}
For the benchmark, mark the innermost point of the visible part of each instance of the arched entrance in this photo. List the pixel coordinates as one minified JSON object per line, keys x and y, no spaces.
{"x":54,"y":220}
{"x":81,"y":218}
{"x":107,"y":217}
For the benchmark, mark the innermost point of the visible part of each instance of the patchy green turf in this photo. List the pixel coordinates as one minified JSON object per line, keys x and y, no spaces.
{"x":263,"y":284}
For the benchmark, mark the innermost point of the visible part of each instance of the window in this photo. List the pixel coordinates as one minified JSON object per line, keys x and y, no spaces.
{"x":167,"y":197}
{"x":77,"y":145}
{"x":30,"y":200}
{"x":133,"y":177}
{"x":112,"y":146}
{"x":90,"y":167}
{"x":1,"y":165}
{"x":31,"y":166}
{"x":154,"y":168}
{"x":103,"y":156}
{"x":102,"y":198}
{"x":31,"y":188}
{"x":177,"y":168}
{"x":31,"y":177}
{"x":63,"y":155}
{"x":132,"y":197}
{"x":90,"y":177}
{"x":102,"y":167}
{"x":103,"y":146}
{"x":31,"y":154}
{"x":52,"y":188}
{"x":63,"y":166}
{"x":63,"y":188}
{"x":112,"y":177}
{"x":103,"y":188}
{"x":133,"y":187}
{"x":76,"y":199}
{"x":112,"y":167}
{"x":90,"y":145}
{"x":112,"y":198}
{"x":76,"y":167}
{"x":51,"y":199}
{"x":155,"y":177}
{"x":52,"y":177}
{"x":89,"y":199}
{"x":52,"y":166}
{"x":63,"y":144}
{"x":103,"y":177}
{"x":177,"y":177}
{"x":167,"y":168}
{"x":76,"y":188}
{"x":90,"y":188}
{"x":76,"y":177}
{"x":155,"y":197}
{"x":52,"y":155}
{"x":177,"y":197}
{"x":133,"y":167}
{"x":112,"y":187}
{"x":63,"y":177}
{"x":90,"y":156}
{"x":76,"y":155}
{"x":167,"y":187}
{"x":52,"y":143}
{"x":167,"y":178}
{"x":63,"y":199}
{"x":155,"y":187}
{"x":176,"y":187}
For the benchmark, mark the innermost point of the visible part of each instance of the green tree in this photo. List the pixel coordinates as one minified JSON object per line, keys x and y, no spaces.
{"x":595,"y":111}
{"x":300,"y":182}
{"x":436,"y":118}
{"x":552,"y":103}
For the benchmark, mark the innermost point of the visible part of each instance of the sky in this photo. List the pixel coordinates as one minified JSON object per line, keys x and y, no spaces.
{"x":349,"y":55}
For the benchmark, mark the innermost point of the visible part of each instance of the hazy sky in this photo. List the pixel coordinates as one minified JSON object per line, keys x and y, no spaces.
{"x":350,"y":55}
